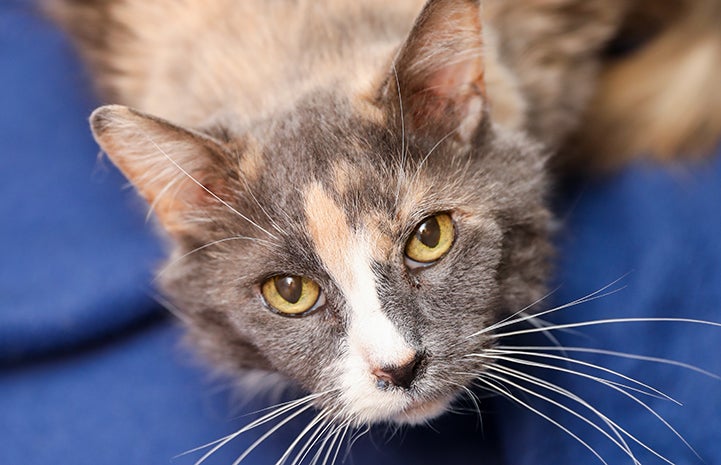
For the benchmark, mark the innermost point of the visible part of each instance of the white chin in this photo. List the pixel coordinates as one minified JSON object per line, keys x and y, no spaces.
{"x":419,"y":413}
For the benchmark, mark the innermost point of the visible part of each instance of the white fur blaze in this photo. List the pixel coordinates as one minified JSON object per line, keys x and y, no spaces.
{"x":372,"y":341}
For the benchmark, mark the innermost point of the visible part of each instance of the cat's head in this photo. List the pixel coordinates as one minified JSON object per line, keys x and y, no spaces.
{"x":355,"y":244}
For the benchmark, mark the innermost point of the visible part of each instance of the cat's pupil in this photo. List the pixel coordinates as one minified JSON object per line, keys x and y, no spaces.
{"x":429,"y":232}
{"x":289,"y":288}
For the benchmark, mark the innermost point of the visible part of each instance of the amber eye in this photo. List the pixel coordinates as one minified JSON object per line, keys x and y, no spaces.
{"x":291,"y":295}
{"x":431,"y":240}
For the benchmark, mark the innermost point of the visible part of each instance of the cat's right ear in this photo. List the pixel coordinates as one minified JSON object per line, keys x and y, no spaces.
{"x":436,"y":82}
{"x":171,"y":167}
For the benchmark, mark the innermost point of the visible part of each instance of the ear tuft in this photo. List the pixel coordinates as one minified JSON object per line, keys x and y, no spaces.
{"x":101,"y":117}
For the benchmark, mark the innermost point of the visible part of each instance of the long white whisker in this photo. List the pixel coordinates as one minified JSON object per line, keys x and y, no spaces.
{"x":325,"y":434}
{"x":284,"y":408}
{"x":606,"y":322}
{"x":474,"y":399}
{"x":262,"y":209}
{"x":334,"y":442}
{"x":333,"y":436}
{"x":654,"y":392}
{"x":269,"y":433}
{"x":402,"y":161}
{"x":611,"y":353}
{"x":355,"y":436}
{"x":230,"y":207}
{"x":292,"y":401}
{"x":340,"y":442}
{"x":400,"y":107}
{"x":519,"y":312}
{"x":615,"y":428}
{"x":539,"y":323}
{"x":537,"y":412}
{"x":425,"y":158}
{"x":610,"y":384}
{"x":599,"y":294}
{"x":204,"y":246}
{"x":542,"y":383}
{"x":318,"y":418}
{"x":161,"y":193}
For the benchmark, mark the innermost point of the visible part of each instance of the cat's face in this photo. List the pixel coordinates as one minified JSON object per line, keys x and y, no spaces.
{"x":354,"y":246}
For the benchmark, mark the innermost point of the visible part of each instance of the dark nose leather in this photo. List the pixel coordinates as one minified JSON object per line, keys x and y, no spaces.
{"x":399,"y":375}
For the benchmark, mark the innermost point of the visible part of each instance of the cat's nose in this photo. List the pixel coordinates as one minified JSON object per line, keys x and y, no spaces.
{"x":398,"y":375}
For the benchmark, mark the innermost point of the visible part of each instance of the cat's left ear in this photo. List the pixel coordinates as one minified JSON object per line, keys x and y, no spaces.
{"x":436,"y":82}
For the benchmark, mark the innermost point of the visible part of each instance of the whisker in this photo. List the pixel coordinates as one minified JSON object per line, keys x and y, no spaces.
{"x":474,"y":400}
{"x":204,"y":246}
{"x":654,"y":392}
{"x":638,"y":401}
{"x":161,"y":193}
{"x":318,"y":418}
{"x":355,"y":436}
{"x":335,"y":444}
{"x":340,"y":442}
{"x":282,"y":409}
{"x":292,"y":401}
{"x":539,"y":323}
{"x":555,"y":388}
{"x":614,"y":386}
{"x":332,"y":436}
{"x":170,"y":307}
{"x":273,"y":223}
{"x":326,"y":434}
{"x":403,"y":123}
{"x":226,"y":204}
{"x":606,"y":322}
{"x":614,"y":427}
{"x":316,"y":436}
{"x":478,"y":376}
{"x":269,"y":433}
{"x":519,"y":312}
{"x":537,"y":412}
{"x":403,"y":134}
{"x":425,"y":158}
{"x":599,"y":294}
{"x":643,"y":358}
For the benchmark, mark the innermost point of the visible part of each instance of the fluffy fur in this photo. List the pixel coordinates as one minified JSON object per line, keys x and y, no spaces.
{"x":311,"y":138}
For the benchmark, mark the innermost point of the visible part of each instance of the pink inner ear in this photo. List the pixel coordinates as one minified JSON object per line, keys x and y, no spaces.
{"x":441,"y":68}
{"x":452,"y":98}
{"x":458,"y":81}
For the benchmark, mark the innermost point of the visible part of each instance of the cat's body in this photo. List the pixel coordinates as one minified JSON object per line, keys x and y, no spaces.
{"x":316,"y":144}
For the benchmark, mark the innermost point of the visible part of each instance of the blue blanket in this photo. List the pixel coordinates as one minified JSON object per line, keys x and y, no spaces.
{"x":92,"y":370}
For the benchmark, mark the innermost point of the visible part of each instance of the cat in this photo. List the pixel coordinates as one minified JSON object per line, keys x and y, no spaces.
{"x":356,"y":193}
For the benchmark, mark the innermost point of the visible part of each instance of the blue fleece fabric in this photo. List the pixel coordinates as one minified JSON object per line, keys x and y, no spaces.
{"x":92,"y":372}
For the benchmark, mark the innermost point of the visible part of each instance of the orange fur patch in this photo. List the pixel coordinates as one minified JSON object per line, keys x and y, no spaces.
{"x":328,"y":227}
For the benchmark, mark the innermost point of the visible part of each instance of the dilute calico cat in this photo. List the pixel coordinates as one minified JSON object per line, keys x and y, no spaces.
{"x":356,"y":192}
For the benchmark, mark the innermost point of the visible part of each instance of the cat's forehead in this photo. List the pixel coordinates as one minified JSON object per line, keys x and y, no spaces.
{"x":344,"y":147}
{"x":324,"y":128}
